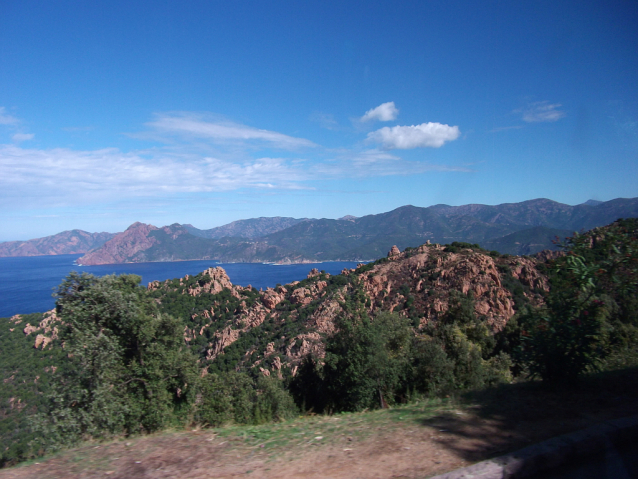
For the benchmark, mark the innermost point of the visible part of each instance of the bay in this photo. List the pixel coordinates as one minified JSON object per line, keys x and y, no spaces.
{"x":27,"y":283}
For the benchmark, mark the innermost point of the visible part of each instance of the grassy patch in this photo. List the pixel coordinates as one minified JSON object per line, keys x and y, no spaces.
{"x":335,"y":430}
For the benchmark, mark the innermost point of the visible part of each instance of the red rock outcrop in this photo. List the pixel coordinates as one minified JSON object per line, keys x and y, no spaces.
{"x":49,"y":327}
{"x":431,"y":275}
{"x":425,"y":281}
{"x":525,"y":271}
{"x":122,"y":246}
{"x":271,"y":298}
{"x":216,"y":281}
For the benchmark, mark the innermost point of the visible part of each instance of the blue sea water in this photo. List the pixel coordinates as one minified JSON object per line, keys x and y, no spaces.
{"x":27,"y":283}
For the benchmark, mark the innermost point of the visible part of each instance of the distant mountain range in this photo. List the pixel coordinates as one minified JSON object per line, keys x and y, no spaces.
{"x":67,"y":242}
{"x":252,"y":228}
{"x":514,"y":228}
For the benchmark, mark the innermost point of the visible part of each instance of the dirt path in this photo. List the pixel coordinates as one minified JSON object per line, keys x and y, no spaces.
{"x":413,"y":441}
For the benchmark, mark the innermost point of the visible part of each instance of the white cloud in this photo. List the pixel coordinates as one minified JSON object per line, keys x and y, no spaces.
{"x":111,"y":175}
{"x":6,"y":119}
{"x":425,"y":135}
{"x":18,"y":137}
{"x":542,"y":111}
{"x":193,"y":125}
{"x":384,"y":112}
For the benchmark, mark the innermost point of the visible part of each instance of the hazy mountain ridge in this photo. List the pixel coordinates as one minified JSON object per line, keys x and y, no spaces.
{"x":250,"y":228}
{"x":67,"y":242}
{"x":514,"y":228}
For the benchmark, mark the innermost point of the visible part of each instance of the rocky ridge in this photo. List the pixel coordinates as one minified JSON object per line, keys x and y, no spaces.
{"x":291,"y":321}
{"x":47,"y":328}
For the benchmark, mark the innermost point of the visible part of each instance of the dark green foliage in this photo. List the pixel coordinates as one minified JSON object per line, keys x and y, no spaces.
{"x":27,"y":373}
{"x":468,"y":345}
{"x":456,"y":246}
{"x":590,"y":310}
{"x":129,"y":371}
{"x":367,"y":362}
{"x":234,"y":397}
{"x":433,"y":372}
{"x":371,"y":363}
{"x":308,"y":388}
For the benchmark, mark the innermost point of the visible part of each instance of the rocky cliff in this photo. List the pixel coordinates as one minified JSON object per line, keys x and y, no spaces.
{"x":123,"y":247}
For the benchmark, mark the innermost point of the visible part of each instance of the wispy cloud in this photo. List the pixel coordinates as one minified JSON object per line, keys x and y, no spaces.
{"x":374,"y":163}
{"x":425,"y":135}
{"x":185,"y":164}
{"x":110,"y":174}
{"x":505,"y":128}
{"x":18,"y":137}
{"x":325,"y":120}
{"x":14,"y":124}
{"x":199,"y":126}
{"x":384,"y":112}
{"x":6,"y":119}
{"x":542,"y":111}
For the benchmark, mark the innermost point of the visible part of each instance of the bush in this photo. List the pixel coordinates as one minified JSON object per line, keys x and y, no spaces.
{"x":234,"y":397}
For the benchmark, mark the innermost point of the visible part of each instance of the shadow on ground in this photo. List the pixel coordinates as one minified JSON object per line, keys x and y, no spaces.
{"x":511,"y":416}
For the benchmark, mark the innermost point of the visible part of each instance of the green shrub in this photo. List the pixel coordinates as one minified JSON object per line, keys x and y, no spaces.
{"x":235,"y":397}
{"x":433,"y":372}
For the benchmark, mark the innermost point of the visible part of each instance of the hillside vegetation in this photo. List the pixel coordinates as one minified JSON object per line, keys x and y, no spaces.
{"x":117,"y":359}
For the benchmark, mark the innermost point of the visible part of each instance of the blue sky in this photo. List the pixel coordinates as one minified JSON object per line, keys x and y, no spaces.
{"x":208,"y":112}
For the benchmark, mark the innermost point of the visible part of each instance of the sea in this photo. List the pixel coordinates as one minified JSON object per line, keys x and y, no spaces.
{"x":27,"y":283}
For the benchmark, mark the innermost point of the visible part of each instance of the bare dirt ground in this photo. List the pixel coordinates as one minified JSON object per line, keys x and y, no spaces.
{"x":413,"y":441}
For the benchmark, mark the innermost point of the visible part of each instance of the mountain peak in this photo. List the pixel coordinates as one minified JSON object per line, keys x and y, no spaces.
{"x":136,"y":225}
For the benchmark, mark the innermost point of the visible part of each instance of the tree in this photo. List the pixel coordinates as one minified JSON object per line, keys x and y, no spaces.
{"x":367,"y":362}
{"x":130,"y":368}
